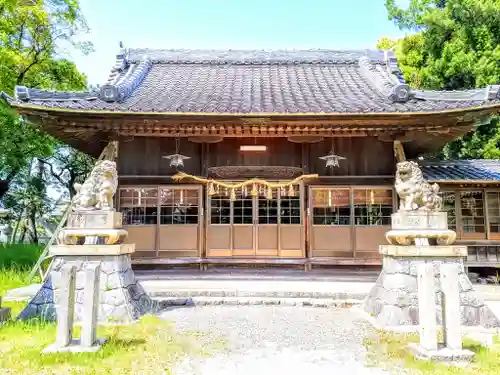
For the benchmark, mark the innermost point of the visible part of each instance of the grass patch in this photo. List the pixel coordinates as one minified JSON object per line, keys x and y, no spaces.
{"x":150,"y":347}
{"x":12,"y":278}
{"x":16,"y":262}
{"x":388,"y":350}
{"x":15,"y":278}
{"x":19,"y":256}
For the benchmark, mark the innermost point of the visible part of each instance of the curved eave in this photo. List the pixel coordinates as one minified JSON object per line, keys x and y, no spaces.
{"x":472,"y":112}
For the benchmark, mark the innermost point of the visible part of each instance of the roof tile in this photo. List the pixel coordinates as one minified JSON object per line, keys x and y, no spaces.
{"x":204,"y":81}
{"x":461,"y":170}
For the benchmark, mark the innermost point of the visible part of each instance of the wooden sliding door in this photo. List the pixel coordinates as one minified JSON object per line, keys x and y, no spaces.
{"x":260,"y":226}
{"x":349,"y":222}
{"x":180,"y":222}
{"x":331,"y":233}
{"x":139,"y":207}
{"x":163,"y":221}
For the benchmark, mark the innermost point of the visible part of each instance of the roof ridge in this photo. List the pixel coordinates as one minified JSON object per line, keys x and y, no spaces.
{"x":249,"y":56}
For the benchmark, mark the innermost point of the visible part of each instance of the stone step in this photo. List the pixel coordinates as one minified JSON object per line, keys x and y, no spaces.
{"x":234,"y":301}
{"x":235,"y":293}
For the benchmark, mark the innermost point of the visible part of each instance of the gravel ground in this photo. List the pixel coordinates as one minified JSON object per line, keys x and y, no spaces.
{"x":276,"y":340}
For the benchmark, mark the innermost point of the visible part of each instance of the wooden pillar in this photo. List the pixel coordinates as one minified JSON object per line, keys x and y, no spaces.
{"x":399,"y":152}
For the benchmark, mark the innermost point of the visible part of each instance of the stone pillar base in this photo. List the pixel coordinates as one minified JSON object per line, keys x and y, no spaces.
{"x":442,"y":354}
{"x":122,"y":300}
{"x":393,"y":300}
{"x":4,"y":312}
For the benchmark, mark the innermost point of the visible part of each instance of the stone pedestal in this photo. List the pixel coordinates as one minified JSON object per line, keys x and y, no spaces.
{"x":122,"y":298}
{"x":393,"y":301}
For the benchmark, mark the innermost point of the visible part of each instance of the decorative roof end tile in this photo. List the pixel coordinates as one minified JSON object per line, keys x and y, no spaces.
{"x":400,"y":93}
{"x":22,"y":93}
{"x":122,"y":88}
{"x":109,"y":93}
{"x":493,"y":92}
{"x":383,"y":80}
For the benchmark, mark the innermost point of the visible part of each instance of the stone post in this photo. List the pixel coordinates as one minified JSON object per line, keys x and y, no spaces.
{"x":427,"y":311}
{"x":90,"y":304}
{"x":66,"y":309}
{"x":451,"y":306}
{"x":451,"y":350}
{"x":65,"y":313}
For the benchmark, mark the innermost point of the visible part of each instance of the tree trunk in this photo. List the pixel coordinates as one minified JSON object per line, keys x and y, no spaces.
{"x":34,"y":231}
{"x":23,"y":234}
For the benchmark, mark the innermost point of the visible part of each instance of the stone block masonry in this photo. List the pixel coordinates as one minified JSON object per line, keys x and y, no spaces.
{"x":122,"y":298}
{"x":4,"y":312}
{"x":393,"y":299}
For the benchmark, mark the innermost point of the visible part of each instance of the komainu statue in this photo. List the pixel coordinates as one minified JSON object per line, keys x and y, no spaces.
{"x":414,"y":192}
{"x":97,"y":192}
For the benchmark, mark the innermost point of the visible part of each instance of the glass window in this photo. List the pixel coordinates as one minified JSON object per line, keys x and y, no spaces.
{"x":289,"y":210}
{"x":472,"y":210}
{"x":449,"y":207}
{"x":331,"y":206}
{"x":242,"y":209}
{"x":268,"y":209}
{"x":494,"y":211}
{"x":139,"y":206}
{"x":373,"y":206}
{"x":179,"y":206}
{"x":220,"y":209}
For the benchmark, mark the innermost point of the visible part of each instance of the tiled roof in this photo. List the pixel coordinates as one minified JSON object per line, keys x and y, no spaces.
{"x":461,"y":170}
{"x":205,"y":81}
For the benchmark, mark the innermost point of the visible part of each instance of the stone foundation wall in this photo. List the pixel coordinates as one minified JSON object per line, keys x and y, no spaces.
{"x":393,"y":300}
{"x":122,"y":298}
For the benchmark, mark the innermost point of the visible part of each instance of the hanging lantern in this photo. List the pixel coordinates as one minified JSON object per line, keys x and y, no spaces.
{"x":211,"y":190}
{"x":176,"y":160}
{"x":332,"y":160}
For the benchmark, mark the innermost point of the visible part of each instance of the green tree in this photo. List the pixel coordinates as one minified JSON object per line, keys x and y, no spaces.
{"x":32,"y":34}
{"x":386,"y":43}
{"x":68,"y":166}
{"x":455,"y":45}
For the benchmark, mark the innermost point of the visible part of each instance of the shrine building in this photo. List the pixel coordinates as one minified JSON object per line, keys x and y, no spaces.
{"x":287,"y":157}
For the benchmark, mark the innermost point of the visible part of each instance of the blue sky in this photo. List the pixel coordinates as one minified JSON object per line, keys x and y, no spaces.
{"x":225,"y":24}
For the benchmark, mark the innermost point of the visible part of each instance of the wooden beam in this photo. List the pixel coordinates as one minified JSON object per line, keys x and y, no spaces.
{"x":399,"y":151}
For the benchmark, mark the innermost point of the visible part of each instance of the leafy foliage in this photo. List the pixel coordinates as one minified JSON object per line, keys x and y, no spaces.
{"x":33,"y":37}
{"x":455,"y":45}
